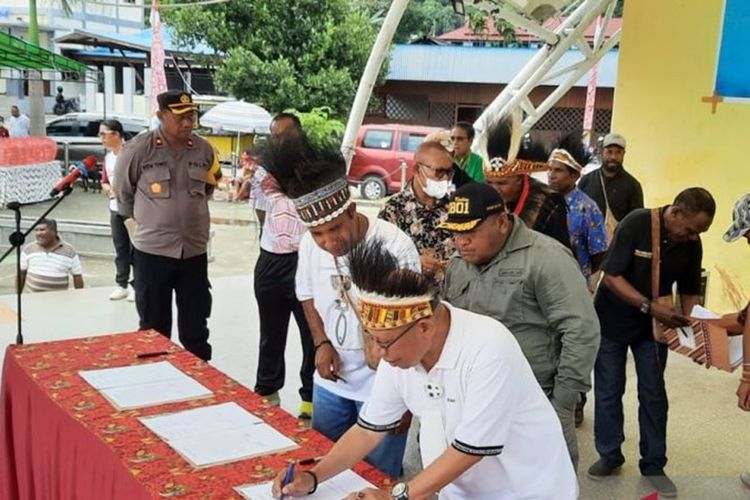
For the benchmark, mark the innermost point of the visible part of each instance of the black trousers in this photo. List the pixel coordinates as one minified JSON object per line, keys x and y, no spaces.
{"x":123,"y":248}
{"x":156,"y":277}
{"x":274,"y":292}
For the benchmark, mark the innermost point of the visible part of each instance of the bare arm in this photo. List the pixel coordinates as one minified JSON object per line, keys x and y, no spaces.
{"x":448,"y":466}
{"x":77,"y":281}
{"x":21,"y":281}
{"x":327,"y":360}
{"x":629,"y":294}
{"x":688,"y":302}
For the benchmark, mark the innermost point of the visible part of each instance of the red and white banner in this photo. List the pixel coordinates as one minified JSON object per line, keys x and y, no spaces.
{"x":158,"y":77}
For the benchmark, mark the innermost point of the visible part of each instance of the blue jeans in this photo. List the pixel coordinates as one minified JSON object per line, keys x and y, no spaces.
{"x":609,"y":386}
{"x":334,"y":415}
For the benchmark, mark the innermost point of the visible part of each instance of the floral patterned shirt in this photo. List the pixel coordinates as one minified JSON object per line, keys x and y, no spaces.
{"x":586,"y":227}
{"x":420,"y":223}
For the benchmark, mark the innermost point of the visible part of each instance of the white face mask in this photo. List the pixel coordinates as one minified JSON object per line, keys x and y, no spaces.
{"x":438,"y":189}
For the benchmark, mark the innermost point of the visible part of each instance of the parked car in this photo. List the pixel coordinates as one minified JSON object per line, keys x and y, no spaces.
{"x":379,"y":152}
{"x":81,"y":132}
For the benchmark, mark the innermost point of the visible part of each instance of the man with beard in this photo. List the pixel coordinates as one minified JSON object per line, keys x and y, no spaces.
{"x":615,"y":191}
{"x":628,"y":308}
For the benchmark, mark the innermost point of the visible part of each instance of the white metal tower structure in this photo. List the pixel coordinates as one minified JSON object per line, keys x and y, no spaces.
{"x":526,"y":14}
{"x":569,"y":34}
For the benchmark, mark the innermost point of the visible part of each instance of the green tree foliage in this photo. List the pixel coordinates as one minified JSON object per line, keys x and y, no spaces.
{"x":320,"y":128}
{"x":300,"y":54}
{"x":422,"y":17}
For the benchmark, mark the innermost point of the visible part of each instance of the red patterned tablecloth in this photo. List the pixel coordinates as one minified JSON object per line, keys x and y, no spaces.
{"x":60,"y":439}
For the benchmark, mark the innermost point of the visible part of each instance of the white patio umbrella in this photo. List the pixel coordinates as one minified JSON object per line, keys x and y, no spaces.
{"x":237,"y":116}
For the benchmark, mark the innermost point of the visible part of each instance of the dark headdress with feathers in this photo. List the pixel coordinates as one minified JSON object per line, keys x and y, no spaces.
{"x":571,"y":152}
{"x":314,"y":177}
{"x":507,"y":154}
{"x":389,"y":296}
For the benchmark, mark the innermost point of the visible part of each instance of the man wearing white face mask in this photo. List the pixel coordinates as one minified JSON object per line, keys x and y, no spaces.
{"x":422,"y":206}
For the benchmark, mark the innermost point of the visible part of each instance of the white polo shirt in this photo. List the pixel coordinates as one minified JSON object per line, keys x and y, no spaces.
{"x":491,"y":405}
{"x":315,"y":279}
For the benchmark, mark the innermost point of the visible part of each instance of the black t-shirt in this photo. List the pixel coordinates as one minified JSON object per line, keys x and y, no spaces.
{"x":624,"y":192}
{"x":629,"y":256}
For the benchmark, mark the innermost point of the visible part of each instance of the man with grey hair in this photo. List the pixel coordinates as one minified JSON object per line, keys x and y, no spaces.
{"x":47,"y":262}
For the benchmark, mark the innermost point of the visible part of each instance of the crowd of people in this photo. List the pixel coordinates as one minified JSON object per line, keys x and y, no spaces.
{"x":479,"y":301}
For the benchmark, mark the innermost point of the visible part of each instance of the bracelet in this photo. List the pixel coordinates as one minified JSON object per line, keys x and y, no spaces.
{"x":321,"y":344}
{"x":315,"y":479}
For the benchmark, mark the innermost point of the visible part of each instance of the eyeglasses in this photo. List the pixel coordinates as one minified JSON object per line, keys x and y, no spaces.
{"x":439,"y":172}
{"x":387,"y":345}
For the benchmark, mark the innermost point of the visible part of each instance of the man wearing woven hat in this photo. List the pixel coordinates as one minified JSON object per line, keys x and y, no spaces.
{"x":508,"y":172}
{"x":487,"y":430}
{"x":167,"y":176}
{"x":315,"y":179}
{"x":615,"y":191}
{"x":740,"y":228}
{"x":532,"y":285}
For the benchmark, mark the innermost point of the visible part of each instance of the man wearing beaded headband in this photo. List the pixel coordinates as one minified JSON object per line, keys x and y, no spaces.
{"x":533,"y":286}
{"x":509,"y":170}
{"x":315,"y":179}
{"x":488,"y":432}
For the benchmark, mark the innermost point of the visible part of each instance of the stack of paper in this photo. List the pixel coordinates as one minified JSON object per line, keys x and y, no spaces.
{"x":144,"y":385}
{"x":335,"y":488}
{"x":217,"y":434}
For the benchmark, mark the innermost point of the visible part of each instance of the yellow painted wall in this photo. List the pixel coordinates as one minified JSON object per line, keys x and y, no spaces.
{"x":667,"y":65}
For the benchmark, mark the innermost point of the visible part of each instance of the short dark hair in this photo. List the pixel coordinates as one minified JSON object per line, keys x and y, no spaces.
{"x":696,"y":200}
{"x":114,"y":126}
{"x":466,"y":127}
{"x":288,"y":116}
{"x":50,"y":223}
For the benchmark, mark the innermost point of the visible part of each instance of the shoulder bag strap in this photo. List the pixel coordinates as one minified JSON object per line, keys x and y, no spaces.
{"x":655,"y":252}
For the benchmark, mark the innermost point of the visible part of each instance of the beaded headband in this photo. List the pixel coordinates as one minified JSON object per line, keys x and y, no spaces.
{"x":324,"y":204}
{"x":378,"y":312}
{"x":565,"y":158}
{"x":499,"y":167}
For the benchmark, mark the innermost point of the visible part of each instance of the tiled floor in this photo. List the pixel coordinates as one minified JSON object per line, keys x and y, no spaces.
{"x":709,"y":437}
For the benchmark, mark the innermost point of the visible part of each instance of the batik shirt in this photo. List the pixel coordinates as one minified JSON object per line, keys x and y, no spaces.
{"x":420,"y":223}
{"x":586,"y":227}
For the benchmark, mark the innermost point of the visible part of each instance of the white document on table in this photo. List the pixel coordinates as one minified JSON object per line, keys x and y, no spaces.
{"x":217,"y":434}
{"x":335,"y":488}
{"x":700,"y":312}
{"x":149,"y":384}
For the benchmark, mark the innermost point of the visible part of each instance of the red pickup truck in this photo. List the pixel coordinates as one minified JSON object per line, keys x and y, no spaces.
{"x":379,"y":152}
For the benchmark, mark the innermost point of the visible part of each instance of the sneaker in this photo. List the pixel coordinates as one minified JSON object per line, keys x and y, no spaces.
{"x":272,"y":399}
{"x":131,"y":295}
{"x":600,"y":470}
{"x":745,"y":478}
{"x":305,"y":410}
{"x":663,"y":485}
{"x":119,"y":293}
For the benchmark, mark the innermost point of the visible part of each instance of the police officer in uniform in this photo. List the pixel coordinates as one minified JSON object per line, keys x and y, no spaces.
{"x":167,"y":176}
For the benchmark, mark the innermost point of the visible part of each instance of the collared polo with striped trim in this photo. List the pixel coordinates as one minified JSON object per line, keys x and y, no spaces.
{"x":49,"y":269}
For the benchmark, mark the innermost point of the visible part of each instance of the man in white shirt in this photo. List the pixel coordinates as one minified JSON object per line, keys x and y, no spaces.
{"x":19,"y":123}
{"x":316,"y":182}
{"x":488,"y":432}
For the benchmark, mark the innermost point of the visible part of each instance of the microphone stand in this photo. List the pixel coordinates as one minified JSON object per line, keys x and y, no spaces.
{"x":18,"y":238}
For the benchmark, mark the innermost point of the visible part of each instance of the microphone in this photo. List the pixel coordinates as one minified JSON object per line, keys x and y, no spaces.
{"x":69,"y":179}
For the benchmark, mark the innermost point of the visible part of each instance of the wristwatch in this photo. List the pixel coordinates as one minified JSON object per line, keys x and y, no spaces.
{"x":646,"y":306}
{"x":400,"y":491}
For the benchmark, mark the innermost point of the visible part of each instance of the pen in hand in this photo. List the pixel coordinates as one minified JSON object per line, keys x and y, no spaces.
{"x":287,"y":479}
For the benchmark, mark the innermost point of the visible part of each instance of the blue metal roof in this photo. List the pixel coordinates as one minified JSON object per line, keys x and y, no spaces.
{"x":109,"y":53}
{"x":495,"y":65}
